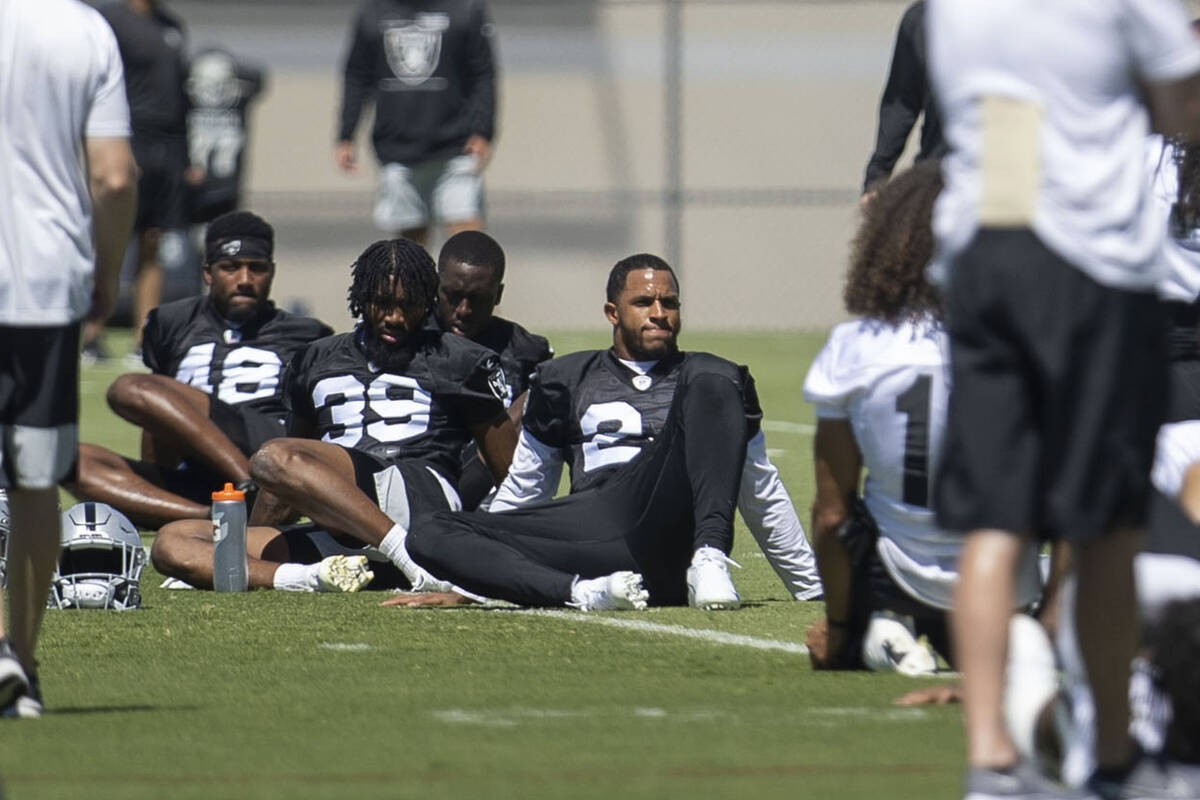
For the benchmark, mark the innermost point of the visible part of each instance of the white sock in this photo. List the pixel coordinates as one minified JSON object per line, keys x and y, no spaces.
{"x":296,"y":577}
{"x":393,"y":547}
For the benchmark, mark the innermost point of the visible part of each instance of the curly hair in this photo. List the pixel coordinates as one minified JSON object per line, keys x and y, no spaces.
{"x":1175,"y":643}
{"x":239,"y":223}
{"x":1186,"y":214}
{"x":886,"y":278}
{"x":386,"y":264}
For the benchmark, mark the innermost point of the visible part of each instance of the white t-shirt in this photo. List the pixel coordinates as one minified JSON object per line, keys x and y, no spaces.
{"x":1041,"y":109}
{"x":892,"y":384}
{"x":61,"y":80}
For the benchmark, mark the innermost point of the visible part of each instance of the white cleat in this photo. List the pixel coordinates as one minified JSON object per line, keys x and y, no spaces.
{"x":890,"y":645}
{"x":621,"y":591}
{"x":708,"y":582}
{"x":343,"y":573}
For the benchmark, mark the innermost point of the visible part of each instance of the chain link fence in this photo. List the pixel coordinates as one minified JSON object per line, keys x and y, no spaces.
{"x":727,"y":135}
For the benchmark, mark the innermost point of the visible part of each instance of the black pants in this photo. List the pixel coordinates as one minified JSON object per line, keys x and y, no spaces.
{"x":677,"y":495}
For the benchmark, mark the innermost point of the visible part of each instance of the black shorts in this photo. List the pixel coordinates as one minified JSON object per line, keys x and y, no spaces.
{"x":1059,"y":387}
{"x":402,"y":488}
{"x":161,"y":196}
{"x":39,"y":405}
{"x":874,"y":589}
{"x":409,"y":488}
{"x":246,"y":427}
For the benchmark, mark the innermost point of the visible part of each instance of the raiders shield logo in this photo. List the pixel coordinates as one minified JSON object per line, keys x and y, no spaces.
{"x":413,"y":49}
{"x":498,"y":384}
{"x":231,"y":248}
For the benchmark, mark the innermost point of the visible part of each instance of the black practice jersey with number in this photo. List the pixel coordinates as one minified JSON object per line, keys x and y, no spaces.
{"x":450,"y":385}
{"x":602,"y":413}
{"x":189,"y":341}
{"x":520,"y":352}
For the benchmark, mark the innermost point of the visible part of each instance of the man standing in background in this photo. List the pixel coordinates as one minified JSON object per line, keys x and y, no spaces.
{"x":62,"y":93}
{"x":906,"y":96}
{"x":151,"y":41}
{"x":1049,"y":250}
{"x":427,"y":66}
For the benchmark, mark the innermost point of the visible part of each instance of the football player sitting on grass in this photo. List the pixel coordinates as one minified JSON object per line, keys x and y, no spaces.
{"x":654,"y":476}
{"x":214,"y":394}
{"x":880,"y":390}
{"x":379,"y":419}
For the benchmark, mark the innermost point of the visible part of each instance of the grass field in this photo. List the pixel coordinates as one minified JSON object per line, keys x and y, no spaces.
{"x":273,"y":694}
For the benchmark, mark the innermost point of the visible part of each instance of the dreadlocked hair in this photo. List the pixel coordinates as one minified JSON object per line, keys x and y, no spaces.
{"x":386,"y":264}
{"x":1187,"y":196}
{"x":1175,"y":643}
{"x":886,"y":278}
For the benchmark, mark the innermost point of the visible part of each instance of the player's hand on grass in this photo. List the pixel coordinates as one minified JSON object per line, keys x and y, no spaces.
{"x":818,"y":641}
{"x":427,"y":599}
{"x":931,"y":696}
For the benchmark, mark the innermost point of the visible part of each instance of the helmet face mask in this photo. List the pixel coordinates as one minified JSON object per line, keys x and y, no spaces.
{"x":101,"y":562}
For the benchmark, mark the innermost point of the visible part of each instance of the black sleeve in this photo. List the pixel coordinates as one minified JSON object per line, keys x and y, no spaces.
{"x":903,"y":97}
{"x":480,"y":398}
{"x":154,"y":353}
{"x":359,"y":78}
{"x":479,"y":74}
{"x":547,"y":410}
{"x":296,"y":400}
{"x":754,"y":413}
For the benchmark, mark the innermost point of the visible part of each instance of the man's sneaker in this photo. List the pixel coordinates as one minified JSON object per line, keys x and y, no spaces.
{"x":890,"y":645}
{"x":343,"y":574}
{"x":422,"y":581}
{"x":93,"y":353}
{"x":13,"y":681}
{"x":1021,"y":782}
{"x":1149,"y":779}
{"x":620,"y":591}
{"x":708,"y":582}
{"x":27,"y":705}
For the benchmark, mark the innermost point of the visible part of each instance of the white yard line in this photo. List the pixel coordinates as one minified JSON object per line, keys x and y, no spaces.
{"x":782,"y":426}
{"x":642,"y":626}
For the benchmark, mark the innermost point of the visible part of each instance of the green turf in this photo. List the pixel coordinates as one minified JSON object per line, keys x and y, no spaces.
{"x":271,"y":695}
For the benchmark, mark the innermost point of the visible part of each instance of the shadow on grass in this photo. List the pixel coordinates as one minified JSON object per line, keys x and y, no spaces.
{"x":79,"y":710}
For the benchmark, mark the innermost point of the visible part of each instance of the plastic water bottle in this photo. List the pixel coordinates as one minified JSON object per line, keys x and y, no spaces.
{"x":230,"y":566}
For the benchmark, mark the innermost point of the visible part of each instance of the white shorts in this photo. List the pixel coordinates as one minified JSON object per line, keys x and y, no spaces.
{"x":446,"y":190}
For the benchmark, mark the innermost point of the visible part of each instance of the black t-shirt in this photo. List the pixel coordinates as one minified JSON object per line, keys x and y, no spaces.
{"x":601,"y":413}
{"x":520,"y":351}
{"x":152,"y":51}
{"x":450,"y":385}
{"x":220,"y":89}
{"x":189,"y":341}
{"x":427,"y":65}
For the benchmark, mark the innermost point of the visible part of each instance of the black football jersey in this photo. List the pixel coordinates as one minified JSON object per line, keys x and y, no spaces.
{"x":189,"y":341}
{"x":451,"y":384}
{"x":601,"y":413}
{"x":520,"y":352}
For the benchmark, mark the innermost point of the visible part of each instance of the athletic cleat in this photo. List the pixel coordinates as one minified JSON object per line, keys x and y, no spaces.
{"x":708,"y":582}
{"x":1150,"y":779}
{"x":343,"y":573}
{"x":621,"y":591}
{"x":27,"y":705}
{"x":13,"y":681}
{"x":423,"y":582}
{"x":889,"y":645}
{"x":1021,"y":782}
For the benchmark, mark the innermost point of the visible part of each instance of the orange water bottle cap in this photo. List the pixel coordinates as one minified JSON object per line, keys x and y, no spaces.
{"x":229,"y":493}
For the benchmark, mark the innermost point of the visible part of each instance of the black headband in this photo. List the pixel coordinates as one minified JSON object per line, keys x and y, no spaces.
{"x":237,"y":247}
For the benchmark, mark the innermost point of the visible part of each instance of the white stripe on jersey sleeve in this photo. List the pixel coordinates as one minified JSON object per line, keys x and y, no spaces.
{"x":532,"y":478}
{"x":769,"y":514}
